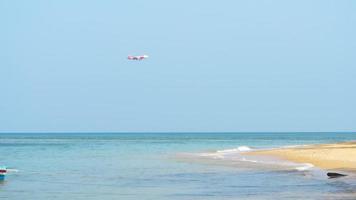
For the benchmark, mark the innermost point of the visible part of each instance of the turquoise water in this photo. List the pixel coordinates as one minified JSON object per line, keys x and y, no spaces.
{"x":148,"y":166}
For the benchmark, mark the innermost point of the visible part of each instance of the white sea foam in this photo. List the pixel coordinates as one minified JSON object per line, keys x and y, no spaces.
{"x":305,"y":167}
{"x":236,"y":157}
{"x":244,"y":148}
{"x":238,"y":149}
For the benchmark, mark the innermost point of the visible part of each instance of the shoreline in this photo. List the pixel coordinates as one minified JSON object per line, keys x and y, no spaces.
{"x":338,"y":156}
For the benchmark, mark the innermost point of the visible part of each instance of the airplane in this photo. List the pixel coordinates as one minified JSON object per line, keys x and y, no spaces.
{"x":142,"y":57}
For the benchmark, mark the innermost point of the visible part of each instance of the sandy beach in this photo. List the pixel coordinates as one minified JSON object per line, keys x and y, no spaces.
{"x":325,"y":156}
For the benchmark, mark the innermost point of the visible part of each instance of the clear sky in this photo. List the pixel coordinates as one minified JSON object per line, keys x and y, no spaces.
{"x":230,"y":65}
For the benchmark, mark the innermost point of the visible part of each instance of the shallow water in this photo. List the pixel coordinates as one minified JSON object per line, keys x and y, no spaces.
{"x":149,"y":166}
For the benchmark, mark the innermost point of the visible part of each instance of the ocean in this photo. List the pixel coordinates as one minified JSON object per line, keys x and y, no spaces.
{"x":184,"y":166}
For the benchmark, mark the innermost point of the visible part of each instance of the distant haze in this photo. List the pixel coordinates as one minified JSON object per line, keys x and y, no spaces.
{"x":256,"y":65}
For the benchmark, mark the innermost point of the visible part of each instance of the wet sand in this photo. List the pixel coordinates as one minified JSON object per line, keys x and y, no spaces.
{"x":325,"y":156}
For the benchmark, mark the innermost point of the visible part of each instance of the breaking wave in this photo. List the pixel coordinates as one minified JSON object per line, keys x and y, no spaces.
{"x":236,"y":157}
{"x":238,"y":149}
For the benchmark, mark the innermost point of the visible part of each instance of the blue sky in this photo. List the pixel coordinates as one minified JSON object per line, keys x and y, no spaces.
{"x":230,"y":65}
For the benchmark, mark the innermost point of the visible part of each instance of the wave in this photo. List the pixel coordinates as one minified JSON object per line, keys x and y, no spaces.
{"x":236,"y":157}
{"x":305,"y":167}
{"x":238,"y":149}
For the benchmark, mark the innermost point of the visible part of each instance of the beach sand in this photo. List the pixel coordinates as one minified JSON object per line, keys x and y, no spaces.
{"x":325,"y":156}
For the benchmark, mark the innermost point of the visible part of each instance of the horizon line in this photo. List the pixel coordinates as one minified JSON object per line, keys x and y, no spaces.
{"x":168,"y":132}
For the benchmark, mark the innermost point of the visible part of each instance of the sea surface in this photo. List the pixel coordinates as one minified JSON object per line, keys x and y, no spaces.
{"x":184,"y":166}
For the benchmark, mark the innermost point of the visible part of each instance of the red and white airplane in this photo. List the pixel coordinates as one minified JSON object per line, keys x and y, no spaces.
{"x":142,"y":57}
